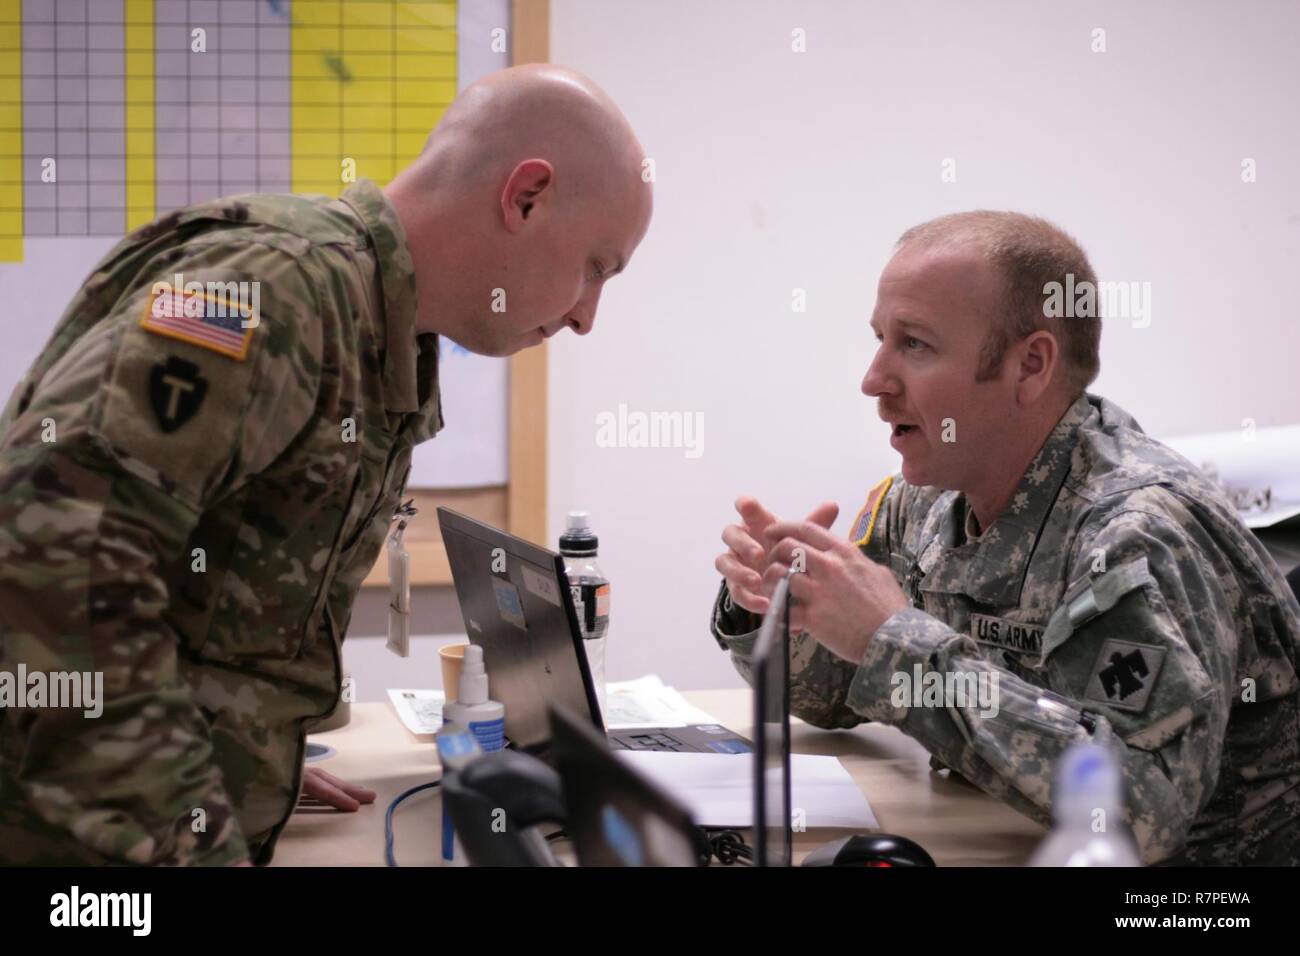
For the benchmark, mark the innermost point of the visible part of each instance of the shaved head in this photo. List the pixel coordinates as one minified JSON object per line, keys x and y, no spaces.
{"x":529,"y":111}
{"x":527,"y":196}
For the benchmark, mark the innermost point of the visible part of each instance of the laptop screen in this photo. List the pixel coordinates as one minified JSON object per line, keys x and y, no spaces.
{"x":616,"y":816}
{"x":516,"y":604}
{"x":773,"y":840}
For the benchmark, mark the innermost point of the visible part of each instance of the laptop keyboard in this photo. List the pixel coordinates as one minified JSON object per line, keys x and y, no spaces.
{"x":652,"y":741}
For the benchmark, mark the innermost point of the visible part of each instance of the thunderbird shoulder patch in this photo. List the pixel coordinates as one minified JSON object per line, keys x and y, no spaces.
{"x":865,"y":523}
{"x":209,"y":318}
{"x":1124,"y":675}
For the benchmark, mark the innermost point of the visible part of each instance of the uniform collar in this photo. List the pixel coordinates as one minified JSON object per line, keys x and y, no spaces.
{"x":991,"y":568}
{"x":410,"y":360}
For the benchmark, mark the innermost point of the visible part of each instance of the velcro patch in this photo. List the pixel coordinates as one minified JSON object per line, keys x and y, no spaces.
{"x":200,"y":318}
{"x":865,"y":522}
{"x":1124,"y":675}
{"x":1008,"y":635}
{"x":176,"y":390}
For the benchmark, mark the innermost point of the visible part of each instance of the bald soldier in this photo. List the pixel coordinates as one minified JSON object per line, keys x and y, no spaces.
{"x":189,"y":502}
{"x":1040,"y":547}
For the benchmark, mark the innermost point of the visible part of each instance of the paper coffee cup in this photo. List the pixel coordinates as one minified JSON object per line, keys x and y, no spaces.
{"x":452,"y":657}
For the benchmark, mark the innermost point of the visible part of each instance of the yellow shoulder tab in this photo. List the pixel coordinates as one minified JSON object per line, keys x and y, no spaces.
{"x":865,"y":522}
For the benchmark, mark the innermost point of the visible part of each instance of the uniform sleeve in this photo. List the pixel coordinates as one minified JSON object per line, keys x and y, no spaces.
{"x":105,"y":470}
{"x":1138,"y":657}
{"x":819,"y":680}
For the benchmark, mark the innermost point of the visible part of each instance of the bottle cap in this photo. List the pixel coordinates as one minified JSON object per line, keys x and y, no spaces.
{"x":473,"y":678}
{"x":578,"y":538}
{"x":1088,"y":779}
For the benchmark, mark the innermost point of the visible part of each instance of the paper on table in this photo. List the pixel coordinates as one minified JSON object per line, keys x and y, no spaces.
{"x":419,"y":710}
{"x":648,"y":702}
{"x":1253,"y":458}
{"x":718,"y":789}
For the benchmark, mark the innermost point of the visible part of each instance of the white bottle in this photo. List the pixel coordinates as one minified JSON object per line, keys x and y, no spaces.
{"x":484,"y":718}
{"x":1088,"y":813}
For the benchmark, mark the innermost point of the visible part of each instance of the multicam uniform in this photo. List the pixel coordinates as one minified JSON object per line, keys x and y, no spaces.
{"x":188,"y":504}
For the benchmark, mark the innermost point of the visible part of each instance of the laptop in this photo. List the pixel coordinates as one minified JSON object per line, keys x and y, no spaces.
{"x":773,"y":823}
{"x":515,"y":599}
{"x":615,"y":816}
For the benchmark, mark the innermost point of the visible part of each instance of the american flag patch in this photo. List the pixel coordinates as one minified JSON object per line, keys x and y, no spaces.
{"x":201,"y":319}
{"x":865,"y":523}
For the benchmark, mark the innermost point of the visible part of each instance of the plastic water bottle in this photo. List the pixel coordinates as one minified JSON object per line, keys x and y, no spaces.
{"x":590,"y":589}
{"x":1088,"y":813}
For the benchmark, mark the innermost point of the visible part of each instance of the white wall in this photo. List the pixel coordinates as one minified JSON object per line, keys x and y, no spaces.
{"x":779,"y":170}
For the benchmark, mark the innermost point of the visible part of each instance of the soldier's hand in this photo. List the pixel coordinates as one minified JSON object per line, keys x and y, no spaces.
{"x":746,"y":561}
{"x":329,"y":789}
{"x":842,"y":596}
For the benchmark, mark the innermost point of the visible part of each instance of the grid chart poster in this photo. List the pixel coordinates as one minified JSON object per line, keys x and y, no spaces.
{"x":115,"y":112}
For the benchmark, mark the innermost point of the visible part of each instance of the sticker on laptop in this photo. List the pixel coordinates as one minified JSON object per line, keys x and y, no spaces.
{"x":729,"y":746}
{"x":541,"y":585}
{"x":508,"y":603}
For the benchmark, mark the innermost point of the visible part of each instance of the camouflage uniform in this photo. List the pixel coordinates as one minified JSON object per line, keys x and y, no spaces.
{"x":1118,"y":598}
{"x":200,"y":525}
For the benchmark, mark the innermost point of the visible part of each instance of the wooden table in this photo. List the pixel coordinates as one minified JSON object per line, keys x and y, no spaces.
{"x":958,"y":824}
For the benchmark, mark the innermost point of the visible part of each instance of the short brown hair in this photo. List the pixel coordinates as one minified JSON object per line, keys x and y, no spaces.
{"x":1030,"y":252}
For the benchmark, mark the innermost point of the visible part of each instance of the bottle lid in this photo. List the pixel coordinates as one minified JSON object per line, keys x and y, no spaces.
{"x":473,"y":687}
{"x":578,"y":538}
{"x":1088,"y":778}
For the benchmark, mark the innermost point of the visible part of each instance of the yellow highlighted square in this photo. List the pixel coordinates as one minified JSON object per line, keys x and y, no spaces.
{"x":400,"y":62}
{"x":364,"y":14}
{"x":432,"y":13}
{"x":314,"y":13}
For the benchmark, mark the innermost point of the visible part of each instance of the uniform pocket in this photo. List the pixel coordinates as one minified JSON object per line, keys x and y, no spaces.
{"x":382,"y":481}
{"x":282,"y":558}
{"x":361,"y":549}
{"x":1090,"y":596}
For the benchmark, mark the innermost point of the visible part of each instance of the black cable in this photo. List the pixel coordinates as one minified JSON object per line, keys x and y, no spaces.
{"x":388,"y":818}
{"x":726,"y":846}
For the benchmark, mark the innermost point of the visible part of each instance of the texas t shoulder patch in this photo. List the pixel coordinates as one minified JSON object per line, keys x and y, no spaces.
{"x":1124,"y":675}
{"x":209,"y":319}
{"x":176,"y":390}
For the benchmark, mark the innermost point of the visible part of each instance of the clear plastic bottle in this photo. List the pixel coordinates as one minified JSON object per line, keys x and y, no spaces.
{"x":590,"y":589}
{"x":1088,"y":813}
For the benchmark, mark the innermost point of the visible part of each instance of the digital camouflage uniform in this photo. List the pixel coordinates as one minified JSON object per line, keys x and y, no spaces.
{"x":1119,"y":598}
{"x":199,"y":526}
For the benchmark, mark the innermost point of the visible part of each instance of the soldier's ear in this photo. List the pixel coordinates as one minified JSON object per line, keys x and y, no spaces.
{"x":1037,"y":365}
{"x":528,"y":186}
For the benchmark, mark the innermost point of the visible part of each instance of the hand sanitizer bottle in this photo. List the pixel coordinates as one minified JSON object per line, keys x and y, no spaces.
{"x":484,"y":718}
